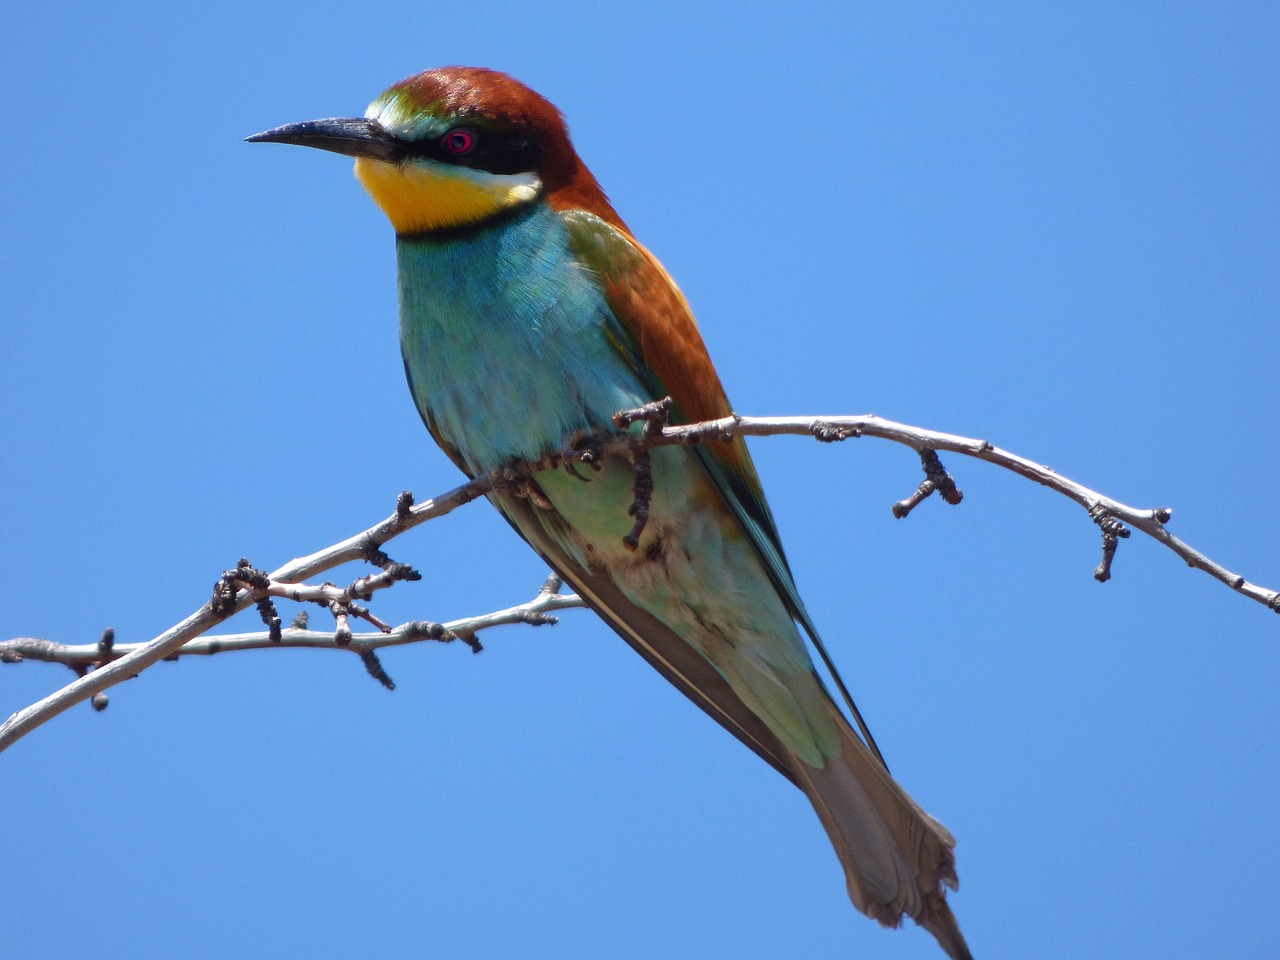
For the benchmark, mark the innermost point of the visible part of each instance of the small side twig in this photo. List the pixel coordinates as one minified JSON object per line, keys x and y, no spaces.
{"x":654,"y":416}
{"x":642,"y":491}
{"x":374,"y":554}
{"x":372,"y":664}
{"x":1112,"y":532}
{"x":270,"y":616}
{"x":936,"y":479}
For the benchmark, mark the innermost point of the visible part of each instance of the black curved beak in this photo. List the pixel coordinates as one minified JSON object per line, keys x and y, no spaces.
{"x":352,"y":136}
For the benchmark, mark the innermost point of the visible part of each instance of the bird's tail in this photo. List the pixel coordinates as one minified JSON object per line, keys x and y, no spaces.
{"x":897,"y":859}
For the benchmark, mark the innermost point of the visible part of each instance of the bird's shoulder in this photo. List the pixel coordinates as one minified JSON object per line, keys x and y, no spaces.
{"x":653,"y":312}
{"x":666,"y":346}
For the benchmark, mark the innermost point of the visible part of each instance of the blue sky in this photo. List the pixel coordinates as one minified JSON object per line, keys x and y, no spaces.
{"x":1054,"y":227}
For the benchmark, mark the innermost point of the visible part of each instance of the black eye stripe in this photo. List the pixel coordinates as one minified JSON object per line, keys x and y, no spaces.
{"x":494,"y":151}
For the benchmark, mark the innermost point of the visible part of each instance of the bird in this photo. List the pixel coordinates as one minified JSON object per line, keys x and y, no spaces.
{"x":530,"y":315}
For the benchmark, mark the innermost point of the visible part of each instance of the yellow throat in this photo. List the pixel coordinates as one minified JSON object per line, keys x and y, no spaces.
{"x":420,"y":196}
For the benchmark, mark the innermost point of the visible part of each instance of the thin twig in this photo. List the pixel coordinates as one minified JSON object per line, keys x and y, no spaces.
{"x":536,"y":611}
{"x":1151,"y":521}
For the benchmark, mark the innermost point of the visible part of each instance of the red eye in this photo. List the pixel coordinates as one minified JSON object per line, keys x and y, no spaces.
{"x":459,"y":142}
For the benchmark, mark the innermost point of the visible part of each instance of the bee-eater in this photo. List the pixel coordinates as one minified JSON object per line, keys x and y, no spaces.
{"x":529,"y":315}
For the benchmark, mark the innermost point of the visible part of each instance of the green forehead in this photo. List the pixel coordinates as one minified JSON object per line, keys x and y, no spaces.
{"x":403,"y":113}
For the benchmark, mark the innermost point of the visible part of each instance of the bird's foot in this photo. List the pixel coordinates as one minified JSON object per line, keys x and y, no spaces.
{"x":516,"y":480}
{"x":589,"y":449}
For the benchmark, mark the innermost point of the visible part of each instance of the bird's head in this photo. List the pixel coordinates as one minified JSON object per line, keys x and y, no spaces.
{"x":455,"y":147}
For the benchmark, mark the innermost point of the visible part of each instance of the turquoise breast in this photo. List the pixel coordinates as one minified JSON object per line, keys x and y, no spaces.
{"x":508,"y":343}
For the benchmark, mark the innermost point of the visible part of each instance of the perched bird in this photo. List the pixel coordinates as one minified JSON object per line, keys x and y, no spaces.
{"x":529,"y":315}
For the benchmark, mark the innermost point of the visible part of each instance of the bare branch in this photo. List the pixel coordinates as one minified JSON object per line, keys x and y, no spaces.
{"x":237,"y":589}
{"x":407,"y":516}
{"x":537,"y":611}
{"x":1151,"y":522}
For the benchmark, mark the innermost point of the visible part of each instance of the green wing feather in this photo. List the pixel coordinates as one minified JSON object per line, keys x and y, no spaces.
{"x":659,"y":337}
